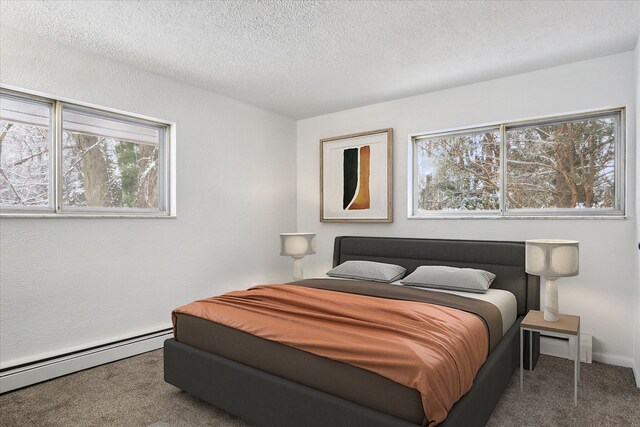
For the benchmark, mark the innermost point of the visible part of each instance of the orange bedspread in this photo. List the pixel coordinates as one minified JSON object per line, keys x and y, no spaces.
{"x":434,"y":349}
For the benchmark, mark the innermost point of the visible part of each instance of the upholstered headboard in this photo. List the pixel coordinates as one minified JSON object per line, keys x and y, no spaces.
{"x":504,"y":259}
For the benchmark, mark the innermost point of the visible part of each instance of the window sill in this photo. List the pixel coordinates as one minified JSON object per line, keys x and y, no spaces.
{"x":85,"y":216}
{"x":521,"y":217}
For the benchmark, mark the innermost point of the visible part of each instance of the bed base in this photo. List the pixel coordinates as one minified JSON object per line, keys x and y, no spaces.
{"x":267,"y":400}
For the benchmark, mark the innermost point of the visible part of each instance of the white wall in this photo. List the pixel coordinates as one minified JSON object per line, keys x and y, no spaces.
{"x":75,"y":282}
{"x":636,"y":338}
{"x":604,"y":293}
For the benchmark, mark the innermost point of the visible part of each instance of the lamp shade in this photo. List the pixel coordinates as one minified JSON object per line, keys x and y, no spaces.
{"x":297,"y":245}
{"x":551,"y":258}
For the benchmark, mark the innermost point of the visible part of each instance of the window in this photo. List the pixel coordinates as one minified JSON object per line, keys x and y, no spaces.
{"x":25,"y":153}
{"x":58,"y":157}
{"x":567,"y":166}
{"x":458,"y":172}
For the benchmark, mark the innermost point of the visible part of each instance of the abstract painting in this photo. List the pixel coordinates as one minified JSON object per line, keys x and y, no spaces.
{"x":356,"y":177}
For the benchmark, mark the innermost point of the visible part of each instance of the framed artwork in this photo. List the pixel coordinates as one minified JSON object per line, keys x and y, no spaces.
{"x":356,"y":177}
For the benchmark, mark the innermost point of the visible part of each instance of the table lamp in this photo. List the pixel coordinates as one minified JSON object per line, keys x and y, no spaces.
{"x":551,"y":259}
{"x":297,"y":245}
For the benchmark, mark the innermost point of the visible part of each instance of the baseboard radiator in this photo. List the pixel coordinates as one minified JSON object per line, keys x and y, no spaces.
{"x":560,"y":347}
{"x":35,"y":372}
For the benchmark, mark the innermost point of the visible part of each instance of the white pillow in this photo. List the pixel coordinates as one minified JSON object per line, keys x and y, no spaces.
{"x":368,"y":270}
{"x":445,"y":277}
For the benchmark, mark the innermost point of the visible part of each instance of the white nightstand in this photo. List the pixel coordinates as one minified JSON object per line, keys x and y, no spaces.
{"x":567,"y":327}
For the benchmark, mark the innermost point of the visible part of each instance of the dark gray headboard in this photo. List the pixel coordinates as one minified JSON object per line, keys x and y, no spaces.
{"x":504,"y":259}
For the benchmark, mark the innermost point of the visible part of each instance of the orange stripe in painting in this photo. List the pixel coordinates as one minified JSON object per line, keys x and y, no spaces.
{"x":363,"y":199}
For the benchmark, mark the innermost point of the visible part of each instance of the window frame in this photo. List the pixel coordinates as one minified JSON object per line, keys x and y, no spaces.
{"x":166,"y":161}
{"x":620,"y":177}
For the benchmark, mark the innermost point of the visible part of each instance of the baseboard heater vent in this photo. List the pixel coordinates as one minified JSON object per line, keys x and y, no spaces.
{"x":32,"y":373}
{"x":561,"y":347}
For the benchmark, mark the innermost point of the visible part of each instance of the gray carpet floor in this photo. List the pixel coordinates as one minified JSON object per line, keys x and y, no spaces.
{"x":132,"y":392}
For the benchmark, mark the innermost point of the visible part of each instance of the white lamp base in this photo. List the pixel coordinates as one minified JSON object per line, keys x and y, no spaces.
{"x":297,"y":269}
{"x":551,"y":301}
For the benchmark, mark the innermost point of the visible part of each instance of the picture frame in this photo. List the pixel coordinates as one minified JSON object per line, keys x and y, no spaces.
{"x":356,"y":177}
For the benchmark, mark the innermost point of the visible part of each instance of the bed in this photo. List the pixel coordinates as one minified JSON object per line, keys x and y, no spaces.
{"x":238,"y":375}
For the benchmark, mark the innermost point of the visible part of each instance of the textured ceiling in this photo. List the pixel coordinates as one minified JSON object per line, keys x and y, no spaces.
{"x":305,"y":58}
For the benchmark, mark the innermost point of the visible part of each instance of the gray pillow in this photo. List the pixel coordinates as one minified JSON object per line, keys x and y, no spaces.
{"x":456,"y":279}
{"x":368,"y":270}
